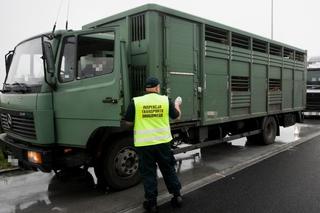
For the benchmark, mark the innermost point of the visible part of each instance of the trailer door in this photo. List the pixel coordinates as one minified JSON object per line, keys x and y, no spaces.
{"x":181,"y":44}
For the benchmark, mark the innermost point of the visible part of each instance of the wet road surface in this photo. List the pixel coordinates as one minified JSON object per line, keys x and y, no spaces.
{"x":287,"y":182}
{"x":47,"y":192}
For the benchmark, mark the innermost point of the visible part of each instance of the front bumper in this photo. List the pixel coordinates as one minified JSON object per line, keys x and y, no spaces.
{"x":311,"y":113}
{"x":19,"y":151}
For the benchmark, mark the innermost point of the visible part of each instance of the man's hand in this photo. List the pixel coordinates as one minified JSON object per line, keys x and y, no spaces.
{"x":177,"y":104}
{"x":178,"y":101}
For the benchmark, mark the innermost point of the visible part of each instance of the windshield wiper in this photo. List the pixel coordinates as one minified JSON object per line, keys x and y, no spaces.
{"x":6,"y":88}
{"x":20,"y":87}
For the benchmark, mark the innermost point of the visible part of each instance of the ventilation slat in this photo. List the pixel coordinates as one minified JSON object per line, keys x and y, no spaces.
{"x":240,"y":83}
{"x":259,"y":46}
{"x":288,"y":53}
{"x":216,"y":35}
{"x":221,"y":36}
{"x":133,"y":32}
{"x":240,"y":41}
{"x":138,"y":78}
{"x":138,"y":31}
{"x":275,"y":50}
{"x":299,"y":56}
{"x":274,"y":85}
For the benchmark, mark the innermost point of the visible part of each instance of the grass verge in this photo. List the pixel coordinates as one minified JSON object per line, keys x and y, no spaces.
{"x":3,"y":162}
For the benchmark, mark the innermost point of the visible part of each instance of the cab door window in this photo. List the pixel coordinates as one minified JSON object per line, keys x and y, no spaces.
{"x":67,"y":62}
{"x":95,"y":54}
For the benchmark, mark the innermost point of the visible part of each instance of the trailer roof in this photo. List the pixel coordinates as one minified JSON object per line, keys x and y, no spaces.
{"x":165,"y":10}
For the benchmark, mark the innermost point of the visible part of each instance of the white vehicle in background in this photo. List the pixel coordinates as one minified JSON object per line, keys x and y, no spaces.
{"x":313,"y":87}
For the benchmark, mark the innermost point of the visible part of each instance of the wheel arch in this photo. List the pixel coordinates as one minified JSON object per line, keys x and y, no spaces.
{"x":102,"y":136}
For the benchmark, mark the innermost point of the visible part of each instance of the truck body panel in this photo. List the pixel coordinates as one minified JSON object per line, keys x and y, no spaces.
{"x":218,"y":78}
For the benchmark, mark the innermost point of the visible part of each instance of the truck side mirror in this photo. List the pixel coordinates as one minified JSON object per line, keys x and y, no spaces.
{"x":48,"y":63}
{"x":8,"y":58}
{"x":49,"y":58}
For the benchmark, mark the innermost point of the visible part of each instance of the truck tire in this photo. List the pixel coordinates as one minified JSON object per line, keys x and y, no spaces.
{"x":118,"y":166}
{"x":269,"y":130}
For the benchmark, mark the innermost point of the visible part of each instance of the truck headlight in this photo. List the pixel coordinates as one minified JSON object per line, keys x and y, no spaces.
{"x":34,"y":157}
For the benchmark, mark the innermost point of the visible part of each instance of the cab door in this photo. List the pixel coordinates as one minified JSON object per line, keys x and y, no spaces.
{"x":88,"y":86}
{"x":181,"y":43}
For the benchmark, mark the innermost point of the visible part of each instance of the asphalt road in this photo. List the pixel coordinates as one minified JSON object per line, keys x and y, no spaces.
{"x":26,"y":192}
{"x":287,"y":182}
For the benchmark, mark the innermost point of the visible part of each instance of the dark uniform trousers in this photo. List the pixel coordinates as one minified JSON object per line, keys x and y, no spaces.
{"x":149,"y":157}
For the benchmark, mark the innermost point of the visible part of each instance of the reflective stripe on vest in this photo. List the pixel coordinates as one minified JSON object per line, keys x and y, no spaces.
{"x":151,"y":124}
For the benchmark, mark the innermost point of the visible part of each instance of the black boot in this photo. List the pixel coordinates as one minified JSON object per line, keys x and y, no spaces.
{"x":150,"y":207}
{"x":176,"y":201}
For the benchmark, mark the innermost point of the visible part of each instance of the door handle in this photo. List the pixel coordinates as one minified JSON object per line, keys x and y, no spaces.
{"x":110,"y":100}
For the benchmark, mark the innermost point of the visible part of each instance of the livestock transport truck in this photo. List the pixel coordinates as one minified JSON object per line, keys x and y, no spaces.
{"x":66,"y":92}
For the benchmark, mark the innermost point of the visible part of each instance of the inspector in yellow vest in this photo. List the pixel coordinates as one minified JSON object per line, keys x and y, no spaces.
{"x":151,"y":123}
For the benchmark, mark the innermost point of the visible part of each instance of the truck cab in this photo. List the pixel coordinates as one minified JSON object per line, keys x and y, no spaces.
{"x":313,"y":87}
{"x":61,"y":92}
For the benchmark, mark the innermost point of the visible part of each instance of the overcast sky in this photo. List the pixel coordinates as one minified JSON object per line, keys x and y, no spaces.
{"x":295,"y":21}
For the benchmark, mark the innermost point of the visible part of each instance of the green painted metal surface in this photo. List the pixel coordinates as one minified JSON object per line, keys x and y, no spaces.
{"x":79,"y":105}
{"x":222,"y":74}
{"x":176,"y":50}
{"x":181,"y":62}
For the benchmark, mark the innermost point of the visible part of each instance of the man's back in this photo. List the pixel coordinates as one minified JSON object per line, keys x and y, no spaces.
{"x":151,"y":125}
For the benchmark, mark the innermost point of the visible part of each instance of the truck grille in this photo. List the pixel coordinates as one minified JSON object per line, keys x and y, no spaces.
{"x":313,"y":102}
{"x":20,"y":123}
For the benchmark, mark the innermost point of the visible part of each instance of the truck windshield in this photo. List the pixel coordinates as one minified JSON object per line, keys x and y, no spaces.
{"x":313,"y":76}
{"x":26,"y":70}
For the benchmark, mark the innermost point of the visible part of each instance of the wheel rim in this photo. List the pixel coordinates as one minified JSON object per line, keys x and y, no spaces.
{"x":126,"y":162}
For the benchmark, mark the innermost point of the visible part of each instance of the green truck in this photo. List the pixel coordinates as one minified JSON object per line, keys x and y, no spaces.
{"x":66,"y":92}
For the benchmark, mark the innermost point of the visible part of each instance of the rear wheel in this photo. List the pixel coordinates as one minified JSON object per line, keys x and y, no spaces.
{"x":118,"y":165}
{"x":269,"y":130}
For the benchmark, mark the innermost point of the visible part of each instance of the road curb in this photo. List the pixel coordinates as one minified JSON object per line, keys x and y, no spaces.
{"x":163,"y":198}
{"x":3,"y":171}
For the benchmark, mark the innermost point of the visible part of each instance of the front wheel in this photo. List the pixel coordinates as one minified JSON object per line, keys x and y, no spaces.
{"x":118,"y":165}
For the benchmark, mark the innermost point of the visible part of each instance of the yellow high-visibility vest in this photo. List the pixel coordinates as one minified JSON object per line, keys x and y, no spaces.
{"x":151,"y":123}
